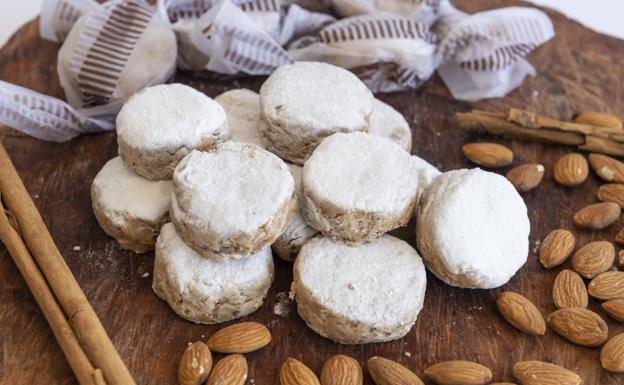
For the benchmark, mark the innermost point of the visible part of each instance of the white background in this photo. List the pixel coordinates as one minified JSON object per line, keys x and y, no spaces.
{"x":602,"y":15}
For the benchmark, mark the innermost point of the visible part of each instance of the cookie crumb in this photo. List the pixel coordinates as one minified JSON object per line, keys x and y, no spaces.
{"x":145,"y":275}
{"x":407,"y":354}
{"x":76,"y":248}
{"x":537,"y":245}
{"x":282,"y":306}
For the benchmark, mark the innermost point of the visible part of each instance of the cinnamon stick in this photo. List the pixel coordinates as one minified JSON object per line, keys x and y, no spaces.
{"x":83,"y":320}
{"x":78,"y":361}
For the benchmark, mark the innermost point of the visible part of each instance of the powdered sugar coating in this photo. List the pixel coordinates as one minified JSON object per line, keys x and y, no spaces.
{"x":170,"y":116}
{"x":207,"y":291}
{"x":472,"y":228}
{"x":354,"y":294}
{"x":387,"y":122}
{"x":242,"y":107}
{"x":362,"y":172}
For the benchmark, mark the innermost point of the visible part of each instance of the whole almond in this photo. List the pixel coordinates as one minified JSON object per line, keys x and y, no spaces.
{"x":387,"y":372}
{"x":502,"y":383}
{"x":195,"y":364}
{"x":569,"y":290}
{"x":459,"y":373}
{"x":607,"y":168}
{"x":615,"y":308}
{"x":571,"y":170}
{"x":608,"y":285}
{"x":580,"y":326}
{"x":243,"y":337}
{"x":526,"y":177}
{"x":612,"y":192}
{"x":593,"y":258}
{"x":597,"y":216}
{"x":612,"y":354}
{"x":599,"y":119}
{"x":490,"y":155}
{"x":230,"y":370}
{"x":621,"y":256}
{"x":556,"y":248}
{"x":619,"y":239}
{"x":341,"y":370}
{"x":544,"y":373}
{"x":294,"y":372}
{"x":521,"y":313}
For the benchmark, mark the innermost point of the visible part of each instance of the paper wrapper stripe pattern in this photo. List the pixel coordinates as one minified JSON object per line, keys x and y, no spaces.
{"x":367,"y":29}
{"x":59,"y":16}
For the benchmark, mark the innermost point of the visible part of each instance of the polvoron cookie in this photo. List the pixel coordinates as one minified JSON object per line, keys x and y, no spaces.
{"x":128,"y":207}
{"x":389,"y":123}
{"x":305,"y":102}
{"x":160,"y":125}
{"x":242,"y":107}
{"x":371,"y":292}
{"x":233,"y":201}
{"x":472,"y":228}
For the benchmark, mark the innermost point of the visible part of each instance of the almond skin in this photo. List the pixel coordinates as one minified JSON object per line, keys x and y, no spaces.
{"x":459,"y":373}
{"x":580,"y":326}
{"x":544,"y":373}
{"x":593,"y":258}
{"x":597,"y":216}
{"x":556,"y":248}
{"x":341,"y":370}
{"x":612,"y":354}
{"x":615,"y":308}
{"x":608,"y":285}
{"x":243,"y":337}
{"x":230,"y":370}
{"x":490,"y":155}
{"x":599,"y":119}
{"x":608,"y":168}
{"x":612,"y":192}
{"x":294,"y":372}
{"x":526,"y":177}
{"x":619,"y":239}
{"x":621,"y":256}
{"x":387,"y":372}
{"x":521,"y":313}
{"x":571,"y":170}
{"x":195,"y":364}
{"x":569,"y":290}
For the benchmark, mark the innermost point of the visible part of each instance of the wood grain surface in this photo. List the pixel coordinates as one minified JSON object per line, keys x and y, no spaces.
{"x":577,"y":70}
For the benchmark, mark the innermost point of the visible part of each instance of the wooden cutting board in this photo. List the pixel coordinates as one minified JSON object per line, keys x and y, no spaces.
{"x":577,"y":70}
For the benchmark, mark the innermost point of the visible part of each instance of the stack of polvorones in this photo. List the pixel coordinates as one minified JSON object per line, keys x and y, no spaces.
{"x":313,"y":166}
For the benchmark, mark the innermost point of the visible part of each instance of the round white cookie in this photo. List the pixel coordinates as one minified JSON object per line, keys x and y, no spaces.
{"x":160,"y":125}
{"x":242,"y":107}
{"x":288,"y":244}
{"x":472,"y":228}
{"x":130,"y":208}
{"x":371,"y":292}
{"x":305,"y":102}
{"x":357,"y":187}
{"x":232,"y":202}
{"x":387,"y":122}
{"x":207,"y":291}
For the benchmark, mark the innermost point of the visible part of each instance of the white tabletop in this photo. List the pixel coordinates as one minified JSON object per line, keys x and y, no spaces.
{"x":601,"y":15}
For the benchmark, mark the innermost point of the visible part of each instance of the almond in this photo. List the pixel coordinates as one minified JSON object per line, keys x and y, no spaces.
{"x":544,"y":373}
{"x":490,"y":155}
{"x":387,"y":372}
{"x":615,"y":308}
{"x":579,"y":325}
{"x":230,"y":370}
{"x":619,"y":239}
{"x":599,"y":119}
{"x":294,"y":372}
{"x":521,"y":313}
{"x":597,"y":216}
{"x":556,"y":248}
{"x":569,"y":290}
{"x":571,"y":170}
{"x":612,"y":354}
{"x":612,"y":192}
{"x":459,"y":373}
{"x":243,"y":337}
{"x":195,"y":364}
{"x":341,"y":370}
{"x":593,"y":258}
{"x":609,"y":285}
{"x":526,"y":177}
{"x":621,"y":255}
{"x":502,"y":383}
{"x":607,"y":168}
